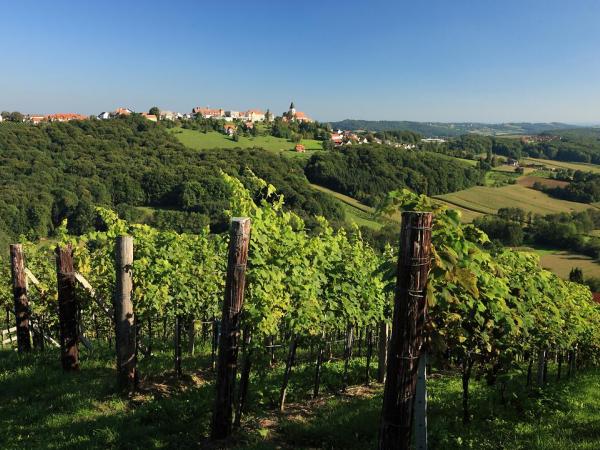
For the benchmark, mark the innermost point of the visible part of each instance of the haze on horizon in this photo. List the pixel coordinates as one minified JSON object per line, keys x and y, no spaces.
{"x":487,"y":61}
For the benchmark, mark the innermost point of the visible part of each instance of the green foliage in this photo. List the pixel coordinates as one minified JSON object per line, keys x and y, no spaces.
{"x":57,"y":170}
{"x":368,"y":173}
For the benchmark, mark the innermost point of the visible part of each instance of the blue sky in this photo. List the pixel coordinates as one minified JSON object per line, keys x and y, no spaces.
{"x":446,"y":60}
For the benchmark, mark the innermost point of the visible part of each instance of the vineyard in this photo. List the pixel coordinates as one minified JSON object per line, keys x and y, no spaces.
{"x":273,"y":296}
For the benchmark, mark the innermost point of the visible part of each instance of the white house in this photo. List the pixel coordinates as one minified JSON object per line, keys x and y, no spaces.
{"x":104,"y":115}
{"x":1,"y":119}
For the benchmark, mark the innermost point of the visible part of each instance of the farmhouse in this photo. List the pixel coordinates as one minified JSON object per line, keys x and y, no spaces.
{"x":121,"y":112}
{"x":300,"y":148}
{"x":170,"y":115}
{"x":65,"y":117}
{"x":252,"y":115}
{"x":208,"y":113}
{"x":229,"y":129}
{"x":36,"y":118}
{"x":151,"y":117}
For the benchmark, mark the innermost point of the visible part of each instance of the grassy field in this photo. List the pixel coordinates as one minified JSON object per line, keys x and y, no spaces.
{"x":561,"y":263}
{"x":356,"y":211}
{"x":487,"y":200}
{"x":563,"y":165}
{"x":211,"y":140}
{"x":42,"y":408}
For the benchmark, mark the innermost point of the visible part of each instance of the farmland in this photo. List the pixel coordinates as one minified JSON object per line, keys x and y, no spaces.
{"x":212,"y":139}
{"x":552,"y":164}
{"x":561,"y":263}
{"x":487,"y":200}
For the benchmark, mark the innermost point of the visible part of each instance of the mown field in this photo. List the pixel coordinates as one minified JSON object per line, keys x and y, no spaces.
{"x":563,"y":165}
{"x":487,"y":200}
{"x":211,"y":140}
{"x":561,"y":263}
{"x":42,"y":408}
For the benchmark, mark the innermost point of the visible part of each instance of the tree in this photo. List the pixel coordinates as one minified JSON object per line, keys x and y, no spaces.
{"x":576,"y":275}
{"x":15,"y":116}
{"x":154,"y":110}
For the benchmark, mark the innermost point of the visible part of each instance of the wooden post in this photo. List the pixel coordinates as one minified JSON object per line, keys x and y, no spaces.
{"x":177,"y":342}
{"x":67,"y":308}
{"x":421,"y":405}
{"x":125,"y":333}
{"x":382,"y":349}
{"x":410,"y":312}
{"x":19,"y":282}
{"x":230,"y":327}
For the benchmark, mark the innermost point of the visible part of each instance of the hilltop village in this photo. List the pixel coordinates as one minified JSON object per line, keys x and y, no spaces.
{"x":234,"y":123}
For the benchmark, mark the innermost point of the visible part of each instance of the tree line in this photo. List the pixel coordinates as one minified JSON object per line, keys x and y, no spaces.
{"x":369,"y":172}
{"x":55,"y":171}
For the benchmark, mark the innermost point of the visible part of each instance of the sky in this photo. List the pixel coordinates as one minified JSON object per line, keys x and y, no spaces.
{"x":445,"y":60}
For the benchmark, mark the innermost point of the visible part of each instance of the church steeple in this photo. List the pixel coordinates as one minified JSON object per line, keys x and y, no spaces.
{"x":292,"y":111}
{"x":292,"y":106}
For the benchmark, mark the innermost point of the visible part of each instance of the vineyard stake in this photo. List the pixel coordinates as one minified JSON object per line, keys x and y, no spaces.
{"x":410,"y":312}
{"x":382,"y":349}
{"x":67,"y":308}
{"x":230,"y":327}
{"x":125,"y":333}
{"x":19,"y":283}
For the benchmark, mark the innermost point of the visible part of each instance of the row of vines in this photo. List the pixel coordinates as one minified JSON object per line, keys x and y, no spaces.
{"x":489,"y":312}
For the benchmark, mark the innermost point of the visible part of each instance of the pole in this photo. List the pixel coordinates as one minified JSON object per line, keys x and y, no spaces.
{"x":125,"y":333}
{"x":67,"y":308}
{"x":230,"y":327}
{"x":410,"y":312}
{"x":19,"y":283}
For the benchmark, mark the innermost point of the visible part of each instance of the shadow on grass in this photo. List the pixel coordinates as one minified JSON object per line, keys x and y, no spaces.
{"x":42,"y":407}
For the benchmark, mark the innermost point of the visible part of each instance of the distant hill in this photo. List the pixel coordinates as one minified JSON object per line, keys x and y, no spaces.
{"x":441,"y":129}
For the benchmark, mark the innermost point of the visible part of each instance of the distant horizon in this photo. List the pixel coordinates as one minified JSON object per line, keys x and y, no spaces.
{"x":137,"y":110}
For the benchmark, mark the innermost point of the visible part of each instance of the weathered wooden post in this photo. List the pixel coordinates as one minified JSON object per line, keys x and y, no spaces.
{"x":19,"y":282}
{"x":382,"y":350}
{"x":125,"y":333}
{"x":421,"y":405}
{"x":410,"y":313}
{"x":177,"y":344}
{"x":230,"y":327}
{"x":67,"y":308}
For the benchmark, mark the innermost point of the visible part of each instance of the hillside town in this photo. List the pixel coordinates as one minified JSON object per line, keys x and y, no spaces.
{"x":234,"y":122}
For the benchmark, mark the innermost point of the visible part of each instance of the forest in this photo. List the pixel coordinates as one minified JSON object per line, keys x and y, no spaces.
{"x":369,"y":172}
{"x":63,"y":170}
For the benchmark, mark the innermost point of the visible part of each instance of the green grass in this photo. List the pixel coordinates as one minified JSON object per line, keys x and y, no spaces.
{"x":213,"y":140}
{"x":42,"y":408}
{"x":356,"y":211}
{"x":563,"y":165}
{"x":561,"y":262}
{"x":487,"y":200}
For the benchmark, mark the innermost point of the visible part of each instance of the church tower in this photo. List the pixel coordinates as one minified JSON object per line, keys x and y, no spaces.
{"x":292,"y":111}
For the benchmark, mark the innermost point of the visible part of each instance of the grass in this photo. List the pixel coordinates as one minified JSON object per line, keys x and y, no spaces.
{"x":487,"y":200}
{"x":356,"y":211}
{"x":212,"y":140}
{"x":563,"y":165}
{"x":561,"y":262}
{"x":42,"y":408}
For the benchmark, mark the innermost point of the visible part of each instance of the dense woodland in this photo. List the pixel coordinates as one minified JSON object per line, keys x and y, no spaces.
{"x":369,"y":172}
{"x":62,"y":170}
